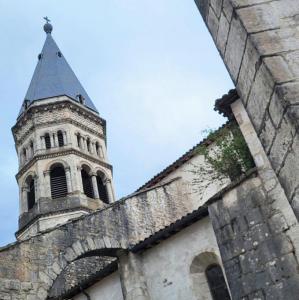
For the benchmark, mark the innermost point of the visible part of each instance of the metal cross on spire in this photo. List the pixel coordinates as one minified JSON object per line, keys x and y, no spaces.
{"x":47,"y":19}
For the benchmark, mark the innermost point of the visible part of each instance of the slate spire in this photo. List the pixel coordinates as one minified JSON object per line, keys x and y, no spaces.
{"x":53,"y":76}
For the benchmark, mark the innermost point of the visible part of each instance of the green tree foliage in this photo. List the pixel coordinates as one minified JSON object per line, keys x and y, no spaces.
{"x":231,"y":156}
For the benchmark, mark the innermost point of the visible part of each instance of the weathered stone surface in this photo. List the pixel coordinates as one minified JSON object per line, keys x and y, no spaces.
{"x":235,"y":47}
{"x":222,"y":34}
{"x":260,"y":96}
{"x":282,"y":142}
{"x":279,"y":68}
{"x":249,"y":67}
{"x":276,"y":41}
{"x":264,"y":252}
{"x":270,"y":15}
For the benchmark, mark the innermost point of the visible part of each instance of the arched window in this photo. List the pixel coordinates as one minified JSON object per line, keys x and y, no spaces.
{"x":58,"y":182}
{"x":88,"y":144}
{"x":78,"y":139}
{"x":47,"y":141}
{"x":24,"y":154}
{"x":87,"y":183}
{"x":31,"y":149}
{"x":98,"y":148}
{"x":102,"y":190}
{"x":217,"y":282}
{"x":30,"y":193}
{"x":60,"y":138}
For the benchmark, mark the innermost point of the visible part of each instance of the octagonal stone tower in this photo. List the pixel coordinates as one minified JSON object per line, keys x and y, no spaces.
{"x":61,"y":144}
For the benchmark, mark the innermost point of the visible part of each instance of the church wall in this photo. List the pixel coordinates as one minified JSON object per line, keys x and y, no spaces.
{"x":200,"y":181}
{"x":107,"y":289}
{"x":258,"y":41}
{"x":167,"y":265}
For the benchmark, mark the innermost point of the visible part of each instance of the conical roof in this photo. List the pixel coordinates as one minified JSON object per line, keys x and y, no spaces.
{"x":54,"y":77}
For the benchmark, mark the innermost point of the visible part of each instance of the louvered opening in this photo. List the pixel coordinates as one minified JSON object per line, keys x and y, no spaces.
{"x":87,"y":184}
{"x":58,"y":183}
{"x":102,"y":190}
{"x":31,"y":194}
{"x":47,"y":141}
{"x":60,"y":138}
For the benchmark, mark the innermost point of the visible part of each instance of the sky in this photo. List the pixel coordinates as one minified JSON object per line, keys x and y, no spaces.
{"x":150,"y":67}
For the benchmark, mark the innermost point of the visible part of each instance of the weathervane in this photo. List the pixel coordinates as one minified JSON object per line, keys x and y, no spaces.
{"x":47,"y":19}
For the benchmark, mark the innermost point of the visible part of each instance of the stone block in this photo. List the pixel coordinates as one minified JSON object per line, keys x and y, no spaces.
{"x":222,"y":34}
{"x":276,"y":41}
{"x":277,"y":223}
{"x":217,"y":6}
{"x":269,"y":15}
{"x":276,"y":109}
{"x":241,"y":3}
{"x":279,"y":68}
{"x":288,"y":174}
{"x":213,"y":24}
{"x":203,"y":7}
{"x":254,"y":217}
{"x":235,"y":48}
{"x":289,"y":93}
{"x":227,"y":9}
{"x":282,"y":143}
{"x":260,"y":96}
{"x":267,"y":132}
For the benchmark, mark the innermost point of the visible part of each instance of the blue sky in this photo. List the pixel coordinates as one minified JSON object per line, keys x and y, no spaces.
{"x":150,"y":67}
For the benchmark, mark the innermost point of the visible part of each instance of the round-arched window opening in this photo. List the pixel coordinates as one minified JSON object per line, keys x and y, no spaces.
{"x":47,"y":141}
{"x":58,"y":182}
{"x":87,"y":184}
{"x":30,"y":193}
{"x":217,"y":282}
{"x":102,"y":190}
{"x":60,"y":138}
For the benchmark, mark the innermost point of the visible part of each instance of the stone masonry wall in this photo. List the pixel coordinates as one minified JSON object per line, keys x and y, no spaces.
{"x":259,"y":43}
{"x":257,"y":255}
{"x":29,"y":268}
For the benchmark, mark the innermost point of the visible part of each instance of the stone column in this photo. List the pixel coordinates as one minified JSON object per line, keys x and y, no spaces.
{"x":68,"y":180}
{"x":80,"y":142}
{"x":37,"y":187}
{"x":43,"y":145}
{"x":23,"y":200}
{"x":92,"y":148}
{"x":84,"y":146}
{"x":109,"y":190}
{"x":101,"y":152}
{"x":133,"y":282}
{"x":95,"y":186}
{"x":55,"y":139}
{"x":65,"y":139}
{"x":52,"y":140}
{"x":47,"y":186}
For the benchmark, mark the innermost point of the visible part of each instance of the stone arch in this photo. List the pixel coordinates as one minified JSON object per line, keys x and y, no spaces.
{"x":52,"y":163}
{"x":199,"y":264}
{"x":29,"y":190}
{"x":87,"y":183}
{"x":87,"y":165}
{"x":80,"y":249}
{"x":29,"y":173}
{"x":102,"y":180}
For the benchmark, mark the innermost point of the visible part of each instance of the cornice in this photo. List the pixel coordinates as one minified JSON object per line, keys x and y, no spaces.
{"x":27,"y":166}
{"x":63,"y":121}
{"x":59,"y":212}
{"x":67,"y":103}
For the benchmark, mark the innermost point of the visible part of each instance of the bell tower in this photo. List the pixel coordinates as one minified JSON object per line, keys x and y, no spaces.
{"x":60,"y":140}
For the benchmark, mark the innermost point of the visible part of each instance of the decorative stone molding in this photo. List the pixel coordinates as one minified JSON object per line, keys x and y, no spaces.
{"x":62,"y":153}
